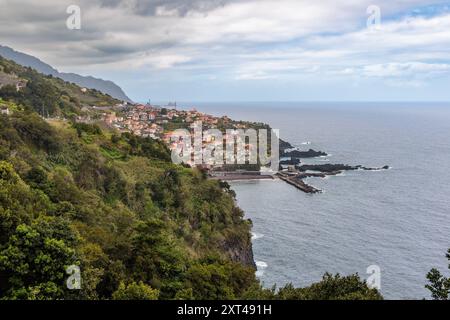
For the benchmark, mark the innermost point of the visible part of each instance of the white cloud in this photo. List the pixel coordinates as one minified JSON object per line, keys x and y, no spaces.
{"x":258,"y":75}
{"x":405,"y":69}
{"x":41,"y":25}
{"x":233,"y":39}
{"x":160,"y":60}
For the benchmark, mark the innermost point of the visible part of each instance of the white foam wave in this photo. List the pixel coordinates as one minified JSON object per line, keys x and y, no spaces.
{"x":375,"y":170}
{"x":260,"y":266}
{"x":256,"y":236}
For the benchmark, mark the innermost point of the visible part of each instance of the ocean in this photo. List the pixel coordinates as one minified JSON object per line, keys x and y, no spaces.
{"x":397,"y":219}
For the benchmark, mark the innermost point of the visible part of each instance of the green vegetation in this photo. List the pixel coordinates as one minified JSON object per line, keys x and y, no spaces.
{"x":135,"y":291}
{"x":439,"y":285}
{"x":48,"y":95}
{"x":134,"y":223}
{"x":137,"y":225}
{"x":331,"y":287}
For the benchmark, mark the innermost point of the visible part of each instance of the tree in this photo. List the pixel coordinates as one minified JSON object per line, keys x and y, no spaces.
{"x":9,"y":92}
{"x":332,"y":287}
{"x":35,"y":259}
{"x":32,"y":128}
{"x":17,"y":202}
{"x":157,"y":257}
{"x":135,"y":291}
{"x":439,"y":285}
{"x":210,"y":282}
{"x":115,"y":138}
{"x":214,"y":278}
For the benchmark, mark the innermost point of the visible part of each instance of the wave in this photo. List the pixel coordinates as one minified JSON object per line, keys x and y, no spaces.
{"x":306,"y":143}
{"x":260,"y":266}
{"x":256,"y":236}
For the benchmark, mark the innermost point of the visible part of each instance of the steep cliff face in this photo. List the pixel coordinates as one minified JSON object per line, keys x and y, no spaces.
{"x":238,"y":247}
{"x":240,"y":251}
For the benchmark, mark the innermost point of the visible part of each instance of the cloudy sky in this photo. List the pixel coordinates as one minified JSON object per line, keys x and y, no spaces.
{"x":244,"y":50}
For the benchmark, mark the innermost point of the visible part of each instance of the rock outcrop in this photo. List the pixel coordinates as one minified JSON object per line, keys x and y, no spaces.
{"x":303,"y":154}
{"x":329,"y":168}
{"x":239,"y":250}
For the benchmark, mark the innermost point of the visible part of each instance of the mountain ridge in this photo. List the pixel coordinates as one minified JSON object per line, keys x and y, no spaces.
{"x":105,"y":86}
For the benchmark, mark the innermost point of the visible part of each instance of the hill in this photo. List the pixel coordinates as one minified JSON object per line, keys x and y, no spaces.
{"x":46,"y":94}
{"x":105,"y":86}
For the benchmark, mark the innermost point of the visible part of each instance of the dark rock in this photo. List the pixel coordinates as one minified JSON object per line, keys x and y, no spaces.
{"x":239,"y":250}
{"x":304,"y":154}
{"x":317,"y":175}
{"x":291,"y":162}
{"x":328,"y":168}
{"x":285,"y":145}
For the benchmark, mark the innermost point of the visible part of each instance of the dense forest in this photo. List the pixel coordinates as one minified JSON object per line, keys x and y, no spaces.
{"x":114,"y":205}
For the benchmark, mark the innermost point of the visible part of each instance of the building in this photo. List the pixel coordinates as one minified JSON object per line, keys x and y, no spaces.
{"x":20,"y":85}
{"x":4,"y":110}
{"x":110,"y":118}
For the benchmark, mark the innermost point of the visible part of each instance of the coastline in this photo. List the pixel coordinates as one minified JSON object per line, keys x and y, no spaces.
{"x":242,"y":177}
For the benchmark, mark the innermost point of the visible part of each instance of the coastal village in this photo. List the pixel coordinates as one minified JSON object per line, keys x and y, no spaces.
{"x":153,"y":121}
{"x":158,"y":122}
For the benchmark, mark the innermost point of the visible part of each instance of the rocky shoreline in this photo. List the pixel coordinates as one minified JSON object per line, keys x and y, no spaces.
{"x":292,"y":171}
{"x":297,"y":172}
{"x":332,"y":168}
{"x":287,"y":150}
{"x":303,"y":154}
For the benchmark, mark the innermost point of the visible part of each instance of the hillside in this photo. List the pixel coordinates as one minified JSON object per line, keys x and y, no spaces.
{"x":117,"y":207}
{"x":105,"y":86}
{"x":114,"y":205}
{"x":47,"y":94}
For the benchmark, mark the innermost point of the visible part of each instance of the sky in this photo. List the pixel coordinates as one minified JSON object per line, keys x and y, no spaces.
{"x":244,"y":50}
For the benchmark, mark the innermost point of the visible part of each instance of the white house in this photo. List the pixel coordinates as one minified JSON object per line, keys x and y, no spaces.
{"x":4,"y":110}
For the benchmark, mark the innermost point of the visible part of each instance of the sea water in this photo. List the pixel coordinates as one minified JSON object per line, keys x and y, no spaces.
{"x":397,"y":219}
